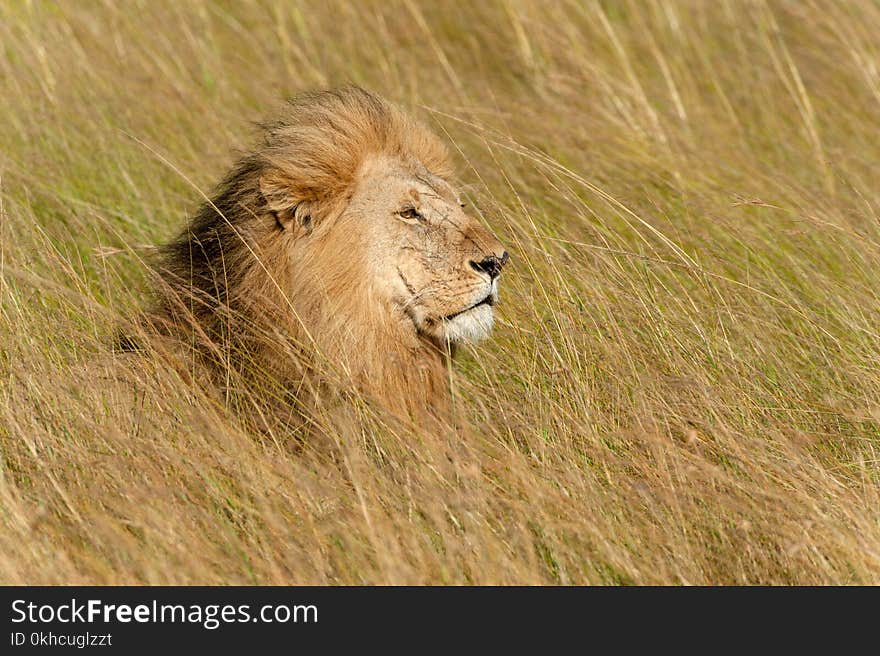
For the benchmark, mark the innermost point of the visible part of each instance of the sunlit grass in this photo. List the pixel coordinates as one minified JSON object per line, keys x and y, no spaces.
{"x":684,"y":386}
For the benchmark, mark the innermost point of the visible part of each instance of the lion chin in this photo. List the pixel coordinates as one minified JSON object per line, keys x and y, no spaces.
{"x":471,"y":326}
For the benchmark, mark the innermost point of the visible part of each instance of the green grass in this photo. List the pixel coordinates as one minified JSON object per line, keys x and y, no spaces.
{"x":684,"y":385}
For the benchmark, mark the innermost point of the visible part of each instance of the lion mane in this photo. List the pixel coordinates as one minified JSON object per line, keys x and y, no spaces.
{"x":228,"y":284}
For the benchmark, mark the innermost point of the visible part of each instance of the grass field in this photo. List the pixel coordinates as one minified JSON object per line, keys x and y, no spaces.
{"x":684,"y":383}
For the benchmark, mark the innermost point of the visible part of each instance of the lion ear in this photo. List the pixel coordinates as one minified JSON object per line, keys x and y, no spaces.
{"x":289,"y":210}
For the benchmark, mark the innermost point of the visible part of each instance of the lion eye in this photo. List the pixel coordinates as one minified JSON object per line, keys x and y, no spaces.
{"x":411,"y":214}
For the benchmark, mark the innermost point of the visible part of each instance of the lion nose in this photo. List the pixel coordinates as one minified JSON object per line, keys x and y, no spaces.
{"x":491,"y":265}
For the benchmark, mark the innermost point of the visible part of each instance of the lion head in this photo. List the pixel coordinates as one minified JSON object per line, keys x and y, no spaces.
{"x":342,"y":235}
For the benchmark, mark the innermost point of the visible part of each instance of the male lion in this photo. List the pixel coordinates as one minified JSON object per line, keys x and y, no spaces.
{"x":337,"y":252}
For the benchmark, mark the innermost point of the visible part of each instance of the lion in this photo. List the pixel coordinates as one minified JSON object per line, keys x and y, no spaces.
{"x":336,"y":252}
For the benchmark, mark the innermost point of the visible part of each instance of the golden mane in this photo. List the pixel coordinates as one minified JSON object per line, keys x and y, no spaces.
{"x":316,"y":147}
{"x":237,"y":288}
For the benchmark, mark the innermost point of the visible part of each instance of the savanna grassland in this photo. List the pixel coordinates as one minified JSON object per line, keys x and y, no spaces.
{"x":683,"y":386}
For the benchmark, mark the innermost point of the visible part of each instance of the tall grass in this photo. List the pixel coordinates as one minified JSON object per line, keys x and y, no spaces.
{"x":685,"y":383}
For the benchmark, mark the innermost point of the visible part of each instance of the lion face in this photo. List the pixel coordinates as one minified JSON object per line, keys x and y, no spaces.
{"x":428,"y":260}
{"x":337,"y":241}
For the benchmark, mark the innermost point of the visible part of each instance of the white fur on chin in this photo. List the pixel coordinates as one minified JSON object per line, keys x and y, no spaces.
{"x":471,"y":326}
